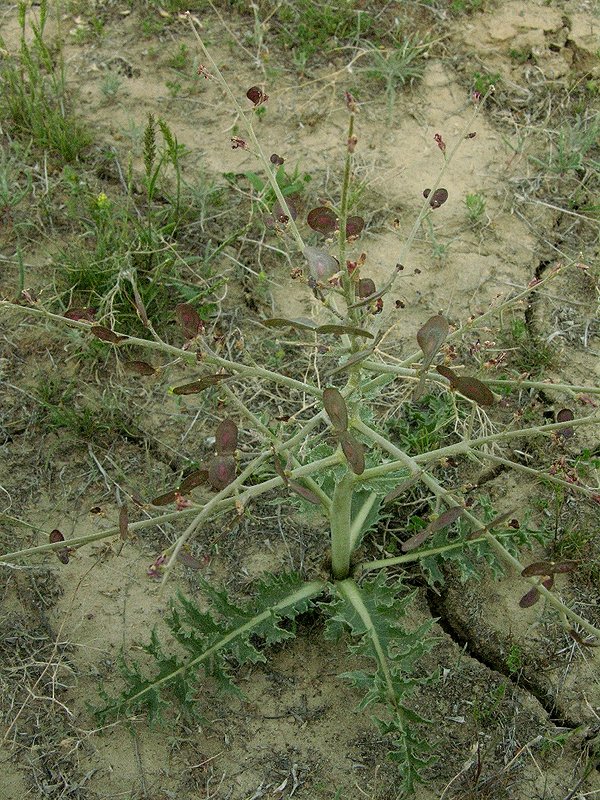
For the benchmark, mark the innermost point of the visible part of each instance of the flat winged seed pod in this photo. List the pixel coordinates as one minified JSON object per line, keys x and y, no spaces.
{"x":165,"y":499}
{"x":475,"y":390}
{"x":469,"y":387}
{"x":403,"y":487}
{"x":354,"y":452}
{"x":432,"y":336}
{"x":280,"y":214}
{"x":531,"y":597}
{"x":354,"y":227}
{"x":304,"y":492}
{"x":342,"y":330}
{"x":446,"y":372}
{"x":226,"y":437}
{"x":139,"y":367}
{"x":297,"y":324}
{"x":445,"y":518}
{"x":565,"y":415}
{"x":321,"y":266}
{"x":81,"y":314}
{"x":221,"y":472}
{"x":335,"y":406}
{"x":62,"y":553}
{"x":416,"y":540}
{"x":100,"y":332}
{"x":256,"y":96}
{"x":200,"y":385}
{"x":123,"y":522}
{"x":548,"y":568}
{"x":323,"y":220}
{"x":365,"y":288}
{"x":438,"y":198}
{"x":189,"y":320}
{"x":538,"y":568}
{"x":196,"y":478}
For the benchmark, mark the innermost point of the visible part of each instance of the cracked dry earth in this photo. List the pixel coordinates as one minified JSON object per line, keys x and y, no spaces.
{"x":516,"y":712}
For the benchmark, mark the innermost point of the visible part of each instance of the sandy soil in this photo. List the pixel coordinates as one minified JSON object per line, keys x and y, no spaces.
{"x":517,"y":709}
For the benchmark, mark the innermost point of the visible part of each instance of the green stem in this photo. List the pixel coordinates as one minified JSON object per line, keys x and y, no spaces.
{"x":347,"y":283}
{"x":247,"y":122}
{"x":408,"y":372}
{"x":426,"y":207}
{"x":339,"y":518}
{"x":190,"y":357}
{"x":408,"y":558}
{"x":260,"y":426}
{"x":541,"y":476}
{"x":360,"y":519}
{"x":492,"y":541}
{"x":468,"y":445}
{"x":224,"y":505}
{"x":307,"y":591}
{"x":476,"y":321}
{"x":351,"y":594}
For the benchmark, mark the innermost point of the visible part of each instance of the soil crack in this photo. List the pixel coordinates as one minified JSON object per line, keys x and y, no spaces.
{"x":455,"y":630}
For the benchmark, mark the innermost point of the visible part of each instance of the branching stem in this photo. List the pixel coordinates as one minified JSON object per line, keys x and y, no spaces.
{"x":493,"y":542}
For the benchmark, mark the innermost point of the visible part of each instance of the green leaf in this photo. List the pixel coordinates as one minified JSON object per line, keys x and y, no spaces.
{"x":253,"y":179}
{"x":373,"y":613}
{"x":227,"y":630}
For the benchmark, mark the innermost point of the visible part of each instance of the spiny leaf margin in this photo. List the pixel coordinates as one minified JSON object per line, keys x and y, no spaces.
{"x":226,"y":630}
{"x":373,"y":614}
